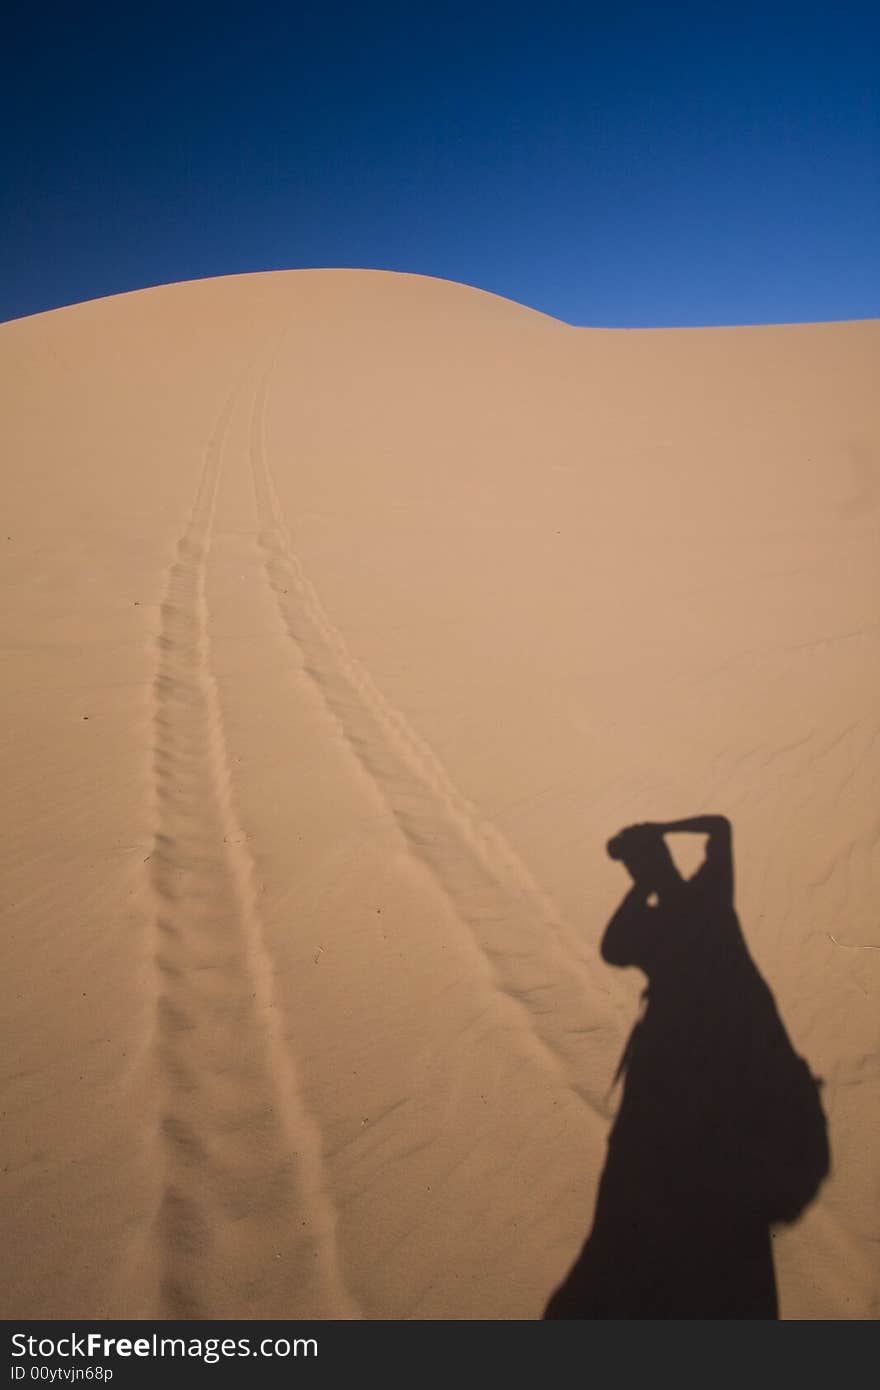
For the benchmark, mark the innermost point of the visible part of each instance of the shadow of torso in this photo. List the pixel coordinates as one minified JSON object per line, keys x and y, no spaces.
{"x":720,"y":1132}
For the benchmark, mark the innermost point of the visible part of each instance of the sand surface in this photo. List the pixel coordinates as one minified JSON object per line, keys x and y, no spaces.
{"x":345,"y":616}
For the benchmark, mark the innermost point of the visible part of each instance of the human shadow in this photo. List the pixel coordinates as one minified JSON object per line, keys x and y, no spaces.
{"x":720,"y":1133}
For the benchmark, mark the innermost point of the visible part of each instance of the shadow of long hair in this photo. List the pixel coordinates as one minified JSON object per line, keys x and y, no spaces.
{"x":720,"y":1133}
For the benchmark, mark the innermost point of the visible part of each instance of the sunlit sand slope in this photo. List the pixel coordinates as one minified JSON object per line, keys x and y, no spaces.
{"x":345,"y":616}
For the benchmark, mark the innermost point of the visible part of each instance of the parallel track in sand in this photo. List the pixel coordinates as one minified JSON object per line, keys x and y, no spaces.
{"x":240,"y":1151}
{"x":557,"y":999}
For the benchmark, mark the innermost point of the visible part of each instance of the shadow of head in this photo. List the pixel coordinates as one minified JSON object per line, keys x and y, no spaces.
{"x":645,"y":855}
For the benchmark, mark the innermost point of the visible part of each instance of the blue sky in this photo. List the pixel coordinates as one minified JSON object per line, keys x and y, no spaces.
{"x":624,"y":164}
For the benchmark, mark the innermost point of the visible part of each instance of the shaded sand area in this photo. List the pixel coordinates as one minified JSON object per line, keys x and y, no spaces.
{"x":346,"y":616}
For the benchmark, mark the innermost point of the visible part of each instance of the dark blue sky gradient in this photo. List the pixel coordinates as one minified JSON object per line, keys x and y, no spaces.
{"x":624,"y":164}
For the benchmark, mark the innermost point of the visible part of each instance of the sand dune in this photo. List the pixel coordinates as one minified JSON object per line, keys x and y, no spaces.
{"x":346,"y":616}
